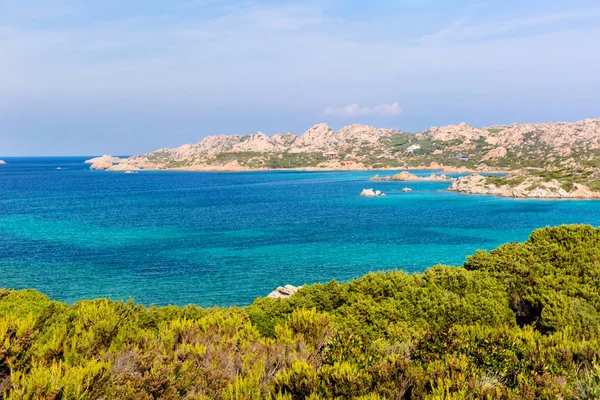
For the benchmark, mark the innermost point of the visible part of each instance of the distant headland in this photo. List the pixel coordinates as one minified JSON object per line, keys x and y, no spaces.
{"x":555,"y":159}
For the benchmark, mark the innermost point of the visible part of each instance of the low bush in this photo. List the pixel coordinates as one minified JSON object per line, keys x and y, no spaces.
{"x":519,"y":322}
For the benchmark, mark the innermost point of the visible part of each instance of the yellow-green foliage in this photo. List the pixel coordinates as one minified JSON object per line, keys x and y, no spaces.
{"x":519,"y":322}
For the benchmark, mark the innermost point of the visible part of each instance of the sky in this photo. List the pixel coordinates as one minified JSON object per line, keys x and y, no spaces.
{"x":127,"y":77}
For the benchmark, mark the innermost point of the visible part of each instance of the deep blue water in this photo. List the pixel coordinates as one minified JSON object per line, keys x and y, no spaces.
{"x":227,"y":238}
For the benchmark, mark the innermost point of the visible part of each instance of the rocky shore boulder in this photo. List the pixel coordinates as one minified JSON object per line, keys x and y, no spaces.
{"x":494,"y":154}
{"x":284,"y":292}
{"x":404,"y":176}
{"x":583,"y":192}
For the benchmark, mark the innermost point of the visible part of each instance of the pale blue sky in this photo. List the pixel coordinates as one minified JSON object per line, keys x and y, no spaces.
{"x":126,"y":77}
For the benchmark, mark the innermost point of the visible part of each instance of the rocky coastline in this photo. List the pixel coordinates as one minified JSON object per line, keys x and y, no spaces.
{"x":550,"y":160}
{"x":111,"y":163}
{"x":522,"y":186}
{"x":284,"y":292}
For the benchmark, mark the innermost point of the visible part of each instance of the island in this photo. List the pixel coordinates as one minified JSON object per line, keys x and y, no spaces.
{"x":540,"y":153}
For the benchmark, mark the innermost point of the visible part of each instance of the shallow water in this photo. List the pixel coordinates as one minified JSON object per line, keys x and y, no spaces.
{"x":227,"y":238}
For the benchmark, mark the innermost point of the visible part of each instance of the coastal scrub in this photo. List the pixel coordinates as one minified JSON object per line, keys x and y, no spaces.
{"x":519,"y":322}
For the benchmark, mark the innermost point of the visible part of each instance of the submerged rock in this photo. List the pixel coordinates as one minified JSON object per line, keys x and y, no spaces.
{"x":284,"y":292}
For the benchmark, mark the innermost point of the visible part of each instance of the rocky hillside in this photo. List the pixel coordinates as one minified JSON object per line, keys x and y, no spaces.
{"x":460,"y":147}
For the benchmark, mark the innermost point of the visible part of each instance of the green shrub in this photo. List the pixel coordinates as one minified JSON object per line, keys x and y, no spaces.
{"x":519,"y":322}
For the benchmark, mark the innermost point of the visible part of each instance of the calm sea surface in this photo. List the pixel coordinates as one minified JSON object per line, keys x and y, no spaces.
{"x":227,"y":238}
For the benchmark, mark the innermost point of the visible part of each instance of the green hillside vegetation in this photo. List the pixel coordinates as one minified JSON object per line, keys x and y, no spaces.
{"x":519,"y":322}
{"x":252,"y":159}
{"x":564,"y":176}
{"x":568,"y":176}
{"x":294,"y":160}
{"x":510,"y":180}
{"x":532,"y":153}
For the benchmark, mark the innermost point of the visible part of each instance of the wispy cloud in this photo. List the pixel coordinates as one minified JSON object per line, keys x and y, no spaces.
{"x":355,"y":110}
{"x":460,"y":30}
{"x":446,"y":32}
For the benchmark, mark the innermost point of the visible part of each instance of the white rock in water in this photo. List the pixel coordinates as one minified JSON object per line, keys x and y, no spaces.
{"x":367,"y":193}
{"x":407,"y":189}
{"x":284,"y":292}
{"x":371,"y":193}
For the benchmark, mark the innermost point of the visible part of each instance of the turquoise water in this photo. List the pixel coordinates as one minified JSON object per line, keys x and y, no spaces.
{"x":227,"y":238}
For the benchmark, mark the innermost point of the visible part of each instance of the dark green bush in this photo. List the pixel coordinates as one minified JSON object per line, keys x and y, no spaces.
{"x":519,"y":322}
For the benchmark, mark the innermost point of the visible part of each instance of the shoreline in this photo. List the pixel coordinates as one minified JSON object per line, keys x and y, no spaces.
{"x":441,"y":168}
{"x":449,"y":170}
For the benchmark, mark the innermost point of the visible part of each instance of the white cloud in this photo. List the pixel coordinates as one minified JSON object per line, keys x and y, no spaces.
{"x":354,"y":110}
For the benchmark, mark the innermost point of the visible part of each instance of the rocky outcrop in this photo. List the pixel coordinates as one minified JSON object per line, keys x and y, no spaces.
{"x":406,"y":176}
{"x":106,"y":157}
{"x":101,"y":165}
{"x":403,"y":176}
{"x":521,"y":186}
{"x":451,"y":132}
{"x":2,"y":162}
{"x":371,"y":193}
{"x":557,"y":135}
{"x":495,"y":154}
{"x":104,"y":162}
{"x":319,"y":139}
{"x":284,"y":292}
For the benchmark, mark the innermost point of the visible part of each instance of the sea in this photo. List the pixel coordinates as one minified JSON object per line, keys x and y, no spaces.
{"x":222,"y":239}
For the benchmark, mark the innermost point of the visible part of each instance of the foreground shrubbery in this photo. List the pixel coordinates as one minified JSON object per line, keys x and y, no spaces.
{"x":521,"y":321}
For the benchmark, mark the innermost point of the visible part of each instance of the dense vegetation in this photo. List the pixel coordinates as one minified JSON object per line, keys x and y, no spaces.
{"x":519,"y":322}
{"x":283,"y":160}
